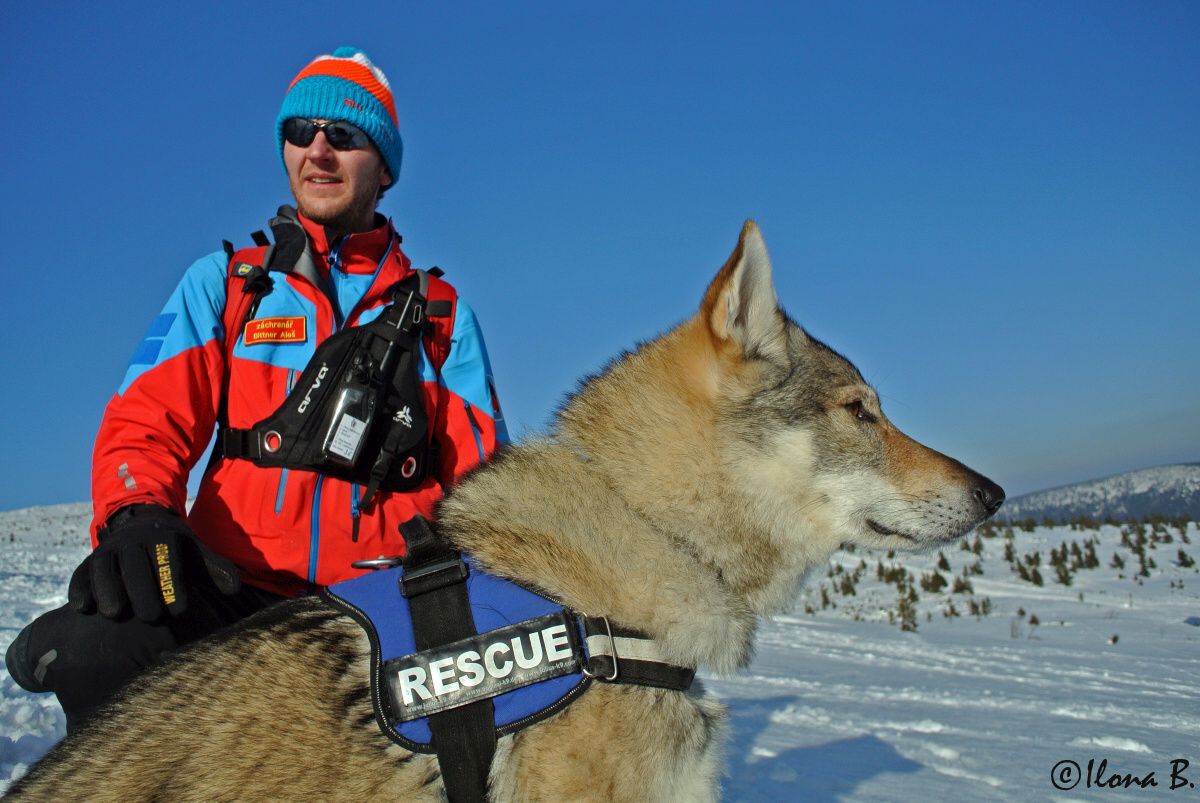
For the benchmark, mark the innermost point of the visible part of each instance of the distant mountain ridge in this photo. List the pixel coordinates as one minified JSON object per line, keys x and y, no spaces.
{"x":1171,"y":490}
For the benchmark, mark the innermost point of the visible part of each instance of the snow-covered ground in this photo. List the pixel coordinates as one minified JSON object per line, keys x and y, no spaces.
{"x":843,"y":704}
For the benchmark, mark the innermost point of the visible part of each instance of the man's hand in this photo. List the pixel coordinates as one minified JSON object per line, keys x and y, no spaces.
{"x":146,"y":559}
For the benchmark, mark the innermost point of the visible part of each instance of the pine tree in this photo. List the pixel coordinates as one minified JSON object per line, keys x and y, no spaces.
{"x":847,"y":587}
{"x":933,"y":582}
{"x":906,"y":609}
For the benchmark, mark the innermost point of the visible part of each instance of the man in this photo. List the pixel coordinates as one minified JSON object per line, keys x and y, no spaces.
{"x":161,"y":576}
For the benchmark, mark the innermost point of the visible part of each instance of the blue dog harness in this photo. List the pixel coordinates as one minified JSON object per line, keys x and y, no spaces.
{"x":527,"y":661}
{"x":479,"y":654}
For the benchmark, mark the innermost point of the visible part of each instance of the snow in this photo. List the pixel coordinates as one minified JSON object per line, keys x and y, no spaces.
{"x":842,"y":704}
{"x":39,"y":548}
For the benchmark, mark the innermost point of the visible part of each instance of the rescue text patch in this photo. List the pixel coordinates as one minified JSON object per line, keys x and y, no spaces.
{"x":482,"y":666}
{"x":276,"y":330}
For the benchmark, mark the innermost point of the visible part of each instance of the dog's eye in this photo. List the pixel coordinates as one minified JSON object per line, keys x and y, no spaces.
{"x":860,"y":413}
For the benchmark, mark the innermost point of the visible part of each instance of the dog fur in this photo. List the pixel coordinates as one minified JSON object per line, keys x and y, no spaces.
{"x":684,"y":491}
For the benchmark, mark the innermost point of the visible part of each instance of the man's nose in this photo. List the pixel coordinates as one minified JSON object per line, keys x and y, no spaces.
{"x":319,"y":147}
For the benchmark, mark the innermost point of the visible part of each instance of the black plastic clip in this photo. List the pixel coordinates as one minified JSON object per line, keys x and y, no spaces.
{"x":432,"y":577}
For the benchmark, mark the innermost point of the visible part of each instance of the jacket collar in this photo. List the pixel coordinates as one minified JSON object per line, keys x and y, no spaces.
{"x":359,"y":252}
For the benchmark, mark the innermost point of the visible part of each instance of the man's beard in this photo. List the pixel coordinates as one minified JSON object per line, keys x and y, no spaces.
{"x":349,"y":219}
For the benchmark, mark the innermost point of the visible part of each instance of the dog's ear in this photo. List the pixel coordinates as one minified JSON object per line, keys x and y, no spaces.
{"x":740,"y":306}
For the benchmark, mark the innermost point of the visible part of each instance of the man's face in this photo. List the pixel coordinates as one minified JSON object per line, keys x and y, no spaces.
{"x":337,"y":189}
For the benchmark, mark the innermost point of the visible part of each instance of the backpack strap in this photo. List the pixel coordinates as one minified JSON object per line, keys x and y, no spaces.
{"x":247,"y":280}
{"x":441,"y":306}
{"x":245,"y":284}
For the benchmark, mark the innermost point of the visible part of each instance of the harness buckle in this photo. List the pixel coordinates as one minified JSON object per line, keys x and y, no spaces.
{"x":612,"y":645}
{"x":381,"y":562}
{"x":424,"y":579}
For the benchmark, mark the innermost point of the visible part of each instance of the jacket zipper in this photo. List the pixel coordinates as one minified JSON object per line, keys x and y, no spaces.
{"x":335,"y":260}
{"x":316,"y":530}
{"x":476,"y":430}
{"x":355,"y":512}
{"x":287,"y":391}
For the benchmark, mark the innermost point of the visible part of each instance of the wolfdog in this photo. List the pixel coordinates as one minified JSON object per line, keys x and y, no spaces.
{"x":684,"y":491}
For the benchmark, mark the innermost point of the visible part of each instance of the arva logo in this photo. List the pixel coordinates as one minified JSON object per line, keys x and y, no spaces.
{"x":316,"y":384}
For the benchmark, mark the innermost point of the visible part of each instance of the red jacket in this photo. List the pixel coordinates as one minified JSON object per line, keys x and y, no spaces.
{"x":287,"y":529}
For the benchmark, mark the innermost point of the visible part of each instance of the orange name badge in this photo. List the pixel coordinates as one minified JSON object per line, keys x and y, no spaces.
{"x":276,"y":330}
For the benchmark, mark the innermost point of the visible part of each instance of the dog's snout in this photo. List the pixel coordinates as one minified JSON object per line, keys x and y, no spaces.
{"x":989,"y":494}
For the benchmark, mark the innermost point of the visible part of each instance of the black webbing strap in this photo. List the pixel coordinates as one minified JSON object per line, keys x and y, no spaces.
{"x":620,"y":655}
{"x":239,"y":444}
{"x":258,"y":284}
{"x":405,"y":315}
{"x":434,"y":583}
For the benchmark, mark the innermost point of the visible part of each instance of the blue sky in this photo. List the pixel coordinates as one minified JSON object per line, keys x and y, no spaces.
{"x":994,"y":209}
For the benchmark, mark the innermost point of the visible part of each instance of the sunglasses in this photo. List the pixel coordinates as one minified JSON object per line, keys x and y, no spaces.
{"x":340,"y":136}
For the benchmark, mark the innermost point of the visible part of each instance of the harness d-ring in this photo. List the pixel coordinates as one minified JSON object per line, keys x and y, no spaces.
{"x":381,"y":562}
{"x":613,"y":646}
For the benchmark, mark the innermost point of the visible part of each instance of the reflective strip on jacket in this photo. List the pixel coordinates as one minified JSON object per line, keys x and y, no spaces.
{"x":287,"y":529}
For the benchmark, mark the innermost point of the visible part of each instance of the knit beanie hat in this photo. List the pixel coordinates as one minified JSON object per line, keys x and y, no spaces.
{"x":346,"y":86}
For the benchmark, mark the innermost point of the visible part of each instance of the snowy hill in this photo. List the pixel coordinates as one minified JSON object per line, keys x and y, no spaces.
{"x":965,"y":674}
{"x":1163,"y":490}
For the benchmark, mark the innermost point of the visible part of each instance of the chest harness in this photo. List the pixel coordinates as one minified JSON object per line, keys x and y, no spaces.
{"x":460,"y":657}
{"x":357,"y":411}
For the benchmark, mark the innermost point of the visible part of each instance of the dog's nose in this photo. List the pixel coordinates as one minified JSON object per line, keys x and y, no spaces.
{"x":989,"y":494}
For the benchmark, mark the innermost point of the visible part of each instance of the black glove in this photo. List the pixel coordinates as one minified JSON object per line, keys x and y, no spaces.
{"x":147,"y":558}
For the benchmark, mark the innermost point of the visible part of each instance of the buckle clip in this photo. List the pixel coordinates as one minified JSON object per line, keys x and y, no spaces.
{"x":407,"y":322}
{"x":381,"y":562}
{"x":424,"y":579}
{"x":612,"y":645}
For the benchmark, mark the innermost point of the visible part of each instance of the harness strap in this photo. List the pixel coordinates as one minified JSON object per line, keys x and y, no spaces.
{"x":440,"y":306}
{"x":411,"y":323}
{"x":434,"y":583}
{"x":233,"y":319}
{"x":621,"y":655}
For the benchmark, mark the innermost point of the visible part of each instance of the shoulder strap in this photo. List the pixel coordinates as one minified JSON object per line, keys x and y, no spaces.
{"x":246,"y":282}
{"x":441,"y":305}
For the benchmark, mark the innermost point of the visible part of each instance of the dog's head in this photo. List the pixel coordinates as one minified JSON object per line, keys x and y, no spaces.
{"x":807,"y":434}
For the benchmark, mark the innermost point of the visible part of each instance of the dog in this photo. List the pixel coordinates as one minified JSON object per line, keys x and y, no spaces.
{"x":684,"y":491}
